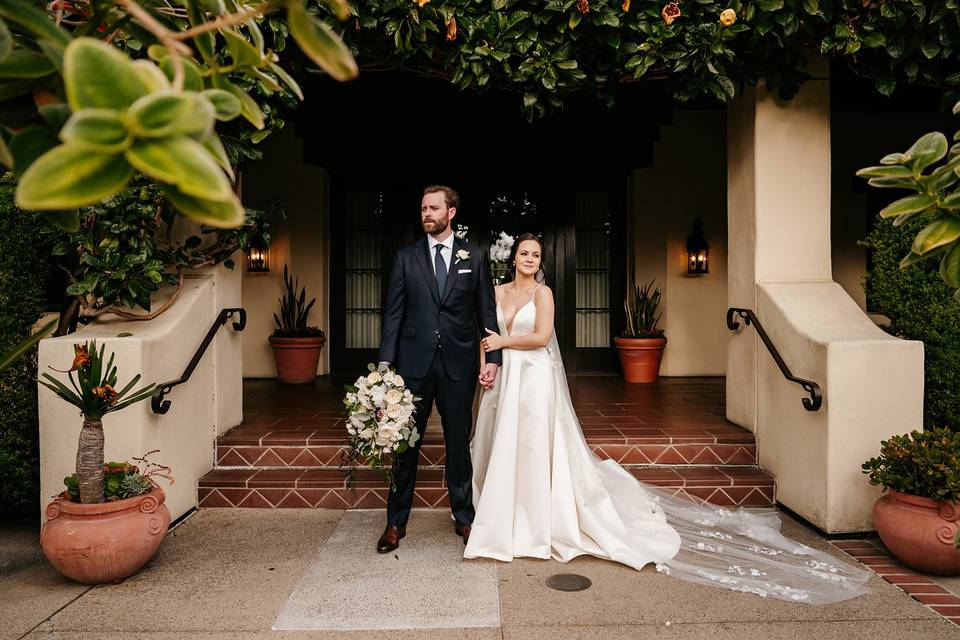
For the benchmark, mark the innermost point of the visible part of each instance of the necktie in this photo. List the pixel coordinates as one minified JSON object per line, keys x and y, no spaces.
{"x":441,"y":270}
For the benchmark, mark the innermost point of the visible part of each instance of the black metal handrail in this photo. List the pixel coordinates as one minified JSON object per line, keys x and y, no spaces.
{"x":157,"y":403}
{"x":749,"y":317}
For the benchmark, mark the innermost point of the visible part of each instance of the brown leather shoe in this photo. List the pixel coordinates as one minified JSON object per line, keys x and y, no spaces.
{"x":390,"y":539}
{"x":463,"y":530}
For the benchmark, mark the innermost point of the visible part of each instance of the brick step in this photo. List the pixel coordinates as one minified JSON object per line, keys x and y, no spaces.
{"x":326,"y":488}
{"x":318,"y":445}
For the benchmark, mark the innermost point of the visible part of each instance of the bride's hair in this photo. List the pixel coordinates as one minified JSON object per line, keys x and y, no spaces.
{"x":541,"y":274}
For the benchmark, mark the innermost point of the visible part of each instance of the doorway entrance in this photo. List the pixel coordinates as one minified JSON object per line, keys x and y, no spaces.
{"x":583,"y":231}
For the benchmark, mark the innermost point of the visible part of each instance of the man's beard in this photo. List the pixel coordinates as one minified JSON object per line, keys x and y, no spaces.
{"x":439,"y":226}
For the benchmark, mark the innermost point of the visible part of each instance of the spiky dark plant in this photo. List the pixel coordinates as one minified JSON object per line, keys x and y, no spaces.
{"x":294,"y":309}
{"x":94,"y":393}
{"x":641,"y":305}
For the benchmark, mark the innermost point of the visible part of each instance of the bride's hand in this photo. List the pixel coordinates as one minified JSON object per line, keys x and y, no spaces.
{"x":492,"y":342}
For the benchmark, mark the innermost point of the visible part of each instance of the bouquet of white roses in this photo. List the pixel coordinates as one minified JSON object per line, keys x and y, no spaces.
{"x":500,"y":249}
{"x":380,"y":421}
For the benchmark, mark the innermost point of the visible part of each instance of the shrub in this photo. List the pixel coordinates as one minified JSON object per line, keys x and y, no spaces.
{"x":923,"y":463}
{"x":23,"y":273}
{"x":920,"y":307}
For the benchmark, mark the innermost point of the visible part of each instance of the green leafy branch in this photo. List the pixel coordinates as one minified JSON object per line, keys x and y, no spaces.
{"x":937,"y":198}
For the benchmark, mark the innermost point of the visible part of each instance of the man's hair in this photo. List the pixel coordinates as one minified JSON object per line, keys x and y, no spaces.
{"x":450,"y":196}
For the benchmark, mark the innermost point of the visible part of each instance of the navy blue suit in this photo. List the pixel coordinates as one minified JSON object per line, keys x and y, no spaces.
{"x":432,"y":339}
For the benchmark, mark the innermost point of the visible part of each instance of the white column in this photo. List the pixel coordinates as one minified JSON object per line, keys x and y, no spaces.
{"x":779,"y":265}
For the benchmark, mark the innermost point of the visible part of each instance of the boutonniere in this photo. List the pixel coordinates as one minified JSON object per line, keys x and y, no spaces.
{"x":462,"y":254}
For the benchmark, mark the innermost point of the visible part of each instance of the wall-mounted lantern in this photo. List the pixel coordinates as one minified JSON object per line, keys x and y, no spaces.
{"x":698,"y":251}
{"x":258,"y":256}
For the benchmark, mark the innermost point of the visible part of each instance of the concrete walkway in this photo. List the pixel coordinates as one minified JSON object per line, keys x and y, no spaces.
{"x":225,"y":574}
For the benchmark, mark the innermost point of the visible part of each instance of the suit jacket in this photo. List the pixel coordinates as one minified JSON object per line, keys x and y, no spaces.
{"x":418,"y":320}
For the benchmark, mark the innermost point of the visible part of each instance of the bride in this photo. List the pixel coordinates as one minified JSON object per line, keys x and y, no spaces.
{"x":542,"y":492}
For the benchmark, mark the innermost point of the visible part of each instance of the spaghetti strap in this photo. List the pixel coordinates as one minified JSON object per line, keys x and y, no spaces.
{"x":534,"y":294}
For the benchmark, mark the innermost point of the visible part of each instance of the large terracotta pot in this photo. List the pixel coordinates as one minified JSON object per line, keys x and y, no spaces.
{"x":105,"y":542}
{"x":640,"y":358}
{"x":297,"y":358}
{"x":919,"y":531}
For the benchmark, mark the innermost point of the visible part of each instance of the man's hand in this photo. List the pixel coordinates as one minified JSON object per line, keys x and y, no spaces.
{"x":488,"y":375}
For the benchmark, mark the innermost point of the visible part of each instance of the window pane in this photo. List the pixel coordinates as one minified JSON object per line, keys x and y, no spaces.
{"x":593,"y":269}
{"x":363,"y":269}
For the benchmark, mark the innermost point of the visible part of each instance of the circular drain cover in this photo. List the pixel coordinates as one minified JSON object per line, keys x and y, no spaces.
{"x":568,"y":582}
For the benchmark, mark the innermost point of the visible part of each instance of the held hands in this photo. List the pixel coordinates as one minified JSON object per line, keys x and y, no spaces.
{"x":488,"y":375}
{"x":492,"y":342}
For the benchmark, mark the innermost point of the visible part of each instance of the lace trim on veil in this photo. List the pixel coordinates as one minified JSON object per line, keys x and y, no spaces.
{"x":740,"y":549}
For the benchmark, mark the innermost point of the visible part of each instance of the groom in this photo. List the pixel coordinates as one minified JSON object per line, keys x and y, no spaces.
{"x":440,"y":297}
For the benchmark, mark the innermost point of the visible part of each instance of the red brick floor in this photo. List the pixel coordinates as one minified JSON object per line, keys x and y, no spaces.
{"x":923,"y":589}
{"x":672,"y":433}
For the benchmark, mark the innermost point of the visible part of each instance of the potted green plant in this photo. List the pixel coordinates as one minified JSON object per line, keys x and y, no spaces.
{"x":296,"y":347}
{"x":641,"y":344}
{"x":918,"y":518}
{"x":111,"y":519}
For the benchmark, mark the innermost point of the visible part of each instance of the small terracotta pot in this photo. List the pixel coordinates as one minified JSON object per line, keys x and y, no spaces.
{"x":919,"y":531}
{"x":105,"y":542}
{"x":297,"y":358}
{"x":640,"y":358}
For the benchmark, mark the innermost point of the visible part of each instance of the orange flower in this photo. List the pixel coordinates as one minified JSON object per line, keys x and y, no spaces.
{"x":626,"y":5}
{"x":107,"y":392}
{"x":728,"y":17}
{"x":583,"y":6}
{"x":452,"y":28}
{"x":80,"y":358}
{"x":670,"y":12}
{"x":422,"y":2}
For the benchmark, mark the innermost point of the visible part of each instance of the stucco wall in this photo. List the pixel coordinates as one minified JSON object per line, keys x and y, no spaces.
{"x":781,"y":267}
{"x":302,"y":242}
{"x":685,"y":182}
{"x":207,"y":405}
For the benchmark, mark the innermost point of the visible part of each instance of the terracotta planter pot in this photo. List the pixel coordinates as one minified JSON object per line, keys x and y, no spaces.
{"x":640,"y":358}
{"x":106,"y":542}
{"x":297,"y":358}
{"x":919,"y":531}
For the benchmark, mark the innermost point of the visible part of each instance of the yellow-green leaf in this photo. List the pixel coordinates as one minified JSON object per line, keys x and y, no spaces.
{"x":249,"y":108}
{"x":159,"y":115}
{"x":320,"y":43}
{"x":6,"y":41}
{"x":71,"y":176}
{"x":151,"y":75}
{"x":910,"y":204}
{"x":287,"y":79}
{"x":182,"y":162}
{"x":101,"y":130}
{"x":928,"y":149}
{"x":950,"y":266}
{"x":226,"y":106}
{"x":228,"y":214}
{"x":192,"y":79}
{"x":214,"y":145}
{"x":339,"y":8}
{"x":938,"y":233}
{"x":96,"y":74}
{"x":242,"y":52}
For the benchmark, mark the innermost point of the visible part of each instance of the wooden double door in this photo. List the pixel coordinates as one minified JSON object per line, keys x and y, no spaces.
{"x":582,"y":228}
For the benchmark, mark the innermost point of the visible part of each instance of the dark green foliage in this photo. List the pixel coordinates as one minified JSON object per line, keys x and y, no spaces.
{"x":23,"y":270}
{"x":924,"y":463}
{"x":642,"y":306}
{"x":920,"y":307}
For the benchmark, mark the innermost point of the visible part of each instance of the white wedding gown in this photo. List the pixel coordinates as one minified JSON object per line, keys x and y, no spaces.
{"x":541,"y":492}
